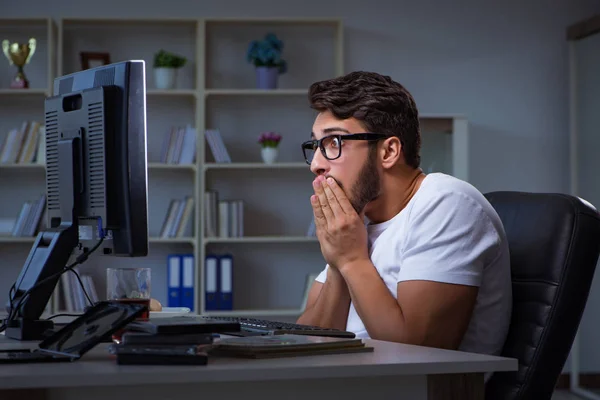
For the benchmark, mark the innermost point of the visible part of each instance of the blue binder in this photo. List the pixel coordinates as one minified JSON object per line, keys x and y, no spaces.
{"x":225,"y":282}
{"x":174,"y":280}
{"x":187,"y":281}
{"x":211,"y":276}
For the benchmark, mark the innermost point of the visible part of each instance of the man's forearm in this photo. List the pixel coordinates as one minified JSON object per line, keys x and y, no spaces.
{"x":375,"y":305}
{"x":331,"y":307}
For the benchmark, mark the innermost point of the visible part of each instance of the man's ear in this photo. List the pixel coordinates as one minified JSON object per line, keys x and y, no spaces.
{"x":390,"y":152}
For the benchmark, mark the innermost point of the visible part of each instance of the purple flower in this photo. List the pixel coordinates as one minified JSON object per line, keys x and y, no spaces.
{"x":269,"y":139}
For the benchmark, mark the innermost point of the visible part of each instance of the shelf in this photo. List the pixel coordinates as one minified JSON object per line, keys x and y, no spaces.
{"x":176,"y":240}
{"x":172,"y":167}
{"x":256,"y":92}
{"x":174,"y":92}
{"x":262,"y":239}
{"x":211,"y":92}
{"x":23,"y":92}
{"x":24,"y":20}
{"x":293,"y":165}
{"x":180,"y":240}
{"x":151,"y":166}
{"x":16,"y":239}
{"x":128,"y":21}
{"x":275,"y":20}
{"x":26,"y":166}
{"x":294,"y":312}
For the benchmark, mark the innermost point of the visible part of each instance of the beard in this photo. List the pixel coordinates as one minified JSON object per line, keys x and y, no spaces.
{"x":367,"y":187}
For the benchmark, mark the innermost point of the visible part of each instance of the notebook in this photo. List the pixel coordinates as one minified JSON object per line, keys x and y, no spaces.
{"x":287,"y":346}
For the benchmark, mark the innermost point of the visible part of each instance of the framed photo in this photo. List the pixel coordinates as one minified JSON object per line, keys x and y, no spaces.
{"x":92,"y":60}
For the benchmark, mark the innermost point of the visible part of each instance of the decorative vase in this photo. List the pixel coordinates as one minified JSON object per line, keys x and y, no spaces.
{"x":269,"y":154}
{"x":266,"y":77}
{"x":165,"y":78}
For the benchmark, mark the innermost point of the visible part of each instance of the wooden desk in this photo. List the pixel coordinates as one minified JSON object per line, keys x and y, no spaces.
{"x":392,"y":371}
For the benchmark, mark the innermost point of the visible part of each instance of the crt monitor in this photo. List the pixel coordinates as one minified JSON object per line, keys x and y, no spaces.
{"x":96,"y":184}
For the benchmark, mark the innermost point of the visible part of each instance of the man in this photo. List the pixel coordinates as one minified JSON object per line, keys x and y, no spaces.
{"x":431,"y":266}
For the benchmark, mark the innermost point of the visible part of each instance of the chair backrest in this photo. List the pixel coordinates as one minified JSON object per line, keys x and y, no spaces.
{"x":554,"y":242}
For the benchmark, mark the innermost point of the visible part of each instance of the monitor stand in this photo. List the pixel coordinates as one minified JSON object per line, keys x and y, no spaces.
{"x":51,"y":250}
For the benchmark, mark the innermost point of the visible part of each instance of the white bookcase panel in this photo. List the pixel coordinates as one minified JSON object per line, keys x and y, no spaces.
{"x":16,"y":109}
{"x":164,"y":185}
{"x":130,"y":40}
{"x":276,"y":203}
{"x":444,"y":144}
{"x":163,"y":113}
{"x":18,"y":186}
{"x":310,"y":48}
{"x":41,"y":66}
{"x":14,"y":253}
{"x":270,"y":276}
{"x":241,"y":119}
{"x":157,"y":260}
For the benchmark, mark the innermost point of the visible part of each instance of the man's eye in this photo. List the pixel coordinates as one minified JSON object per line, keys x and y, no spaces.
{"x":334,"y":142}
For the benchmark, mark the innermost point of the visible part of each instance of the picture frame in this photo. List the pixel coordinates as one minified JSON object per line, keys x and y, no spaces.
{"x":93,"y":59}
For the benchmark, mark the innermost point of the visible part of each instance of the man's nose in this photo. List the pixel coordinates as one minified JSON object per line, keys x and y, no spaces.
{"x":319,"y":163}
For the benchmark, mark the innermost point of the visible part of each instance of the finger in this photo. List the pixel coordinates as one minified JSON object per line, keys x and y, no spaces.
{"x":334,"y":204}
{"x":325,"y":207}
{"x":340,"y":195}
{"x":320,"y":220}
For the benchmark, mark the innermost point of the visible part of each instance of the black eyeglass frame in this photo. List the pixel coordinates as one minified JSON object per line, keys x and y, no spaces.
{"x":314,"y":144}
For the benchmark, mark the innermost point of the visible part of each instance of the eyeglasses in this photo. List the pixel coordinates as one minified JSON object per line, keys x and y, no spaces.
{"x":331,"y":145}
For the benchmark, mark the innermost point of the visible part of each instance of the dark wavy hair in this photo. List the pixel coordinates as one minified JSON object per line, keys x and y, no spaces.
{"x":381,"y":104}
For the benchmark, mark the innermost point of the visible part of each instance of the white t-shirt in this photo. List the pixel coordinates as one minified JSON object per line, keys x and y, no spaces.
{"x":448,"y":232}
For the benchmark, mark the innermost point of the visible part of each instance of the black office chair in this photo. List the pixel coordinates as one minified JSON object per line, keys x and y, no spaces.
{"x":554,"y":242}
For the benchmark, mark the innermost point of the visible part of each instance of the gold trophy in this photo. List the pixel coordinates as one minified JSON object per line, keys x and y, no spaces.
{"x":19,"y":54}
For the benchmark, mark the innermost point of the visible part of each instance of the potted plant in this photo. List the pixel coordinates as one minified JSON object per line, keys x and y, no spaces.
{"x":266,"y":56}
{"x":166,"y":65}
{"x":269,"y":142}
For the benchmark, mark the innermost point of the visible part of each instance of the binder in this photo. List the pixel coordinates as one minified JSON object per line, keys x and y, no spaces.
{"x":187,"y":281}
{"x":225,"y":282}
{"x":210,"y":282}
{"x":174,"y":280}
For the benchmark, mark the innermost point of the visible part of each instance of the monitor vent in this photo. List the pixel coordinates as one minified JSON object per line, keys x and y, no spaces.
{"x":96,"y":154}
{"x":65,"y":85}
{"x":104,"y":77}
{"x":52,"y":160}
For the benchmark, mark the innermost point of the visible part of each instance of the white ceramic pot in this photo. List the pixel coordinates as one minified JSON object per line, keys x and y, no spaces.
{"x":269,"y":154}
{"x":165,"y":78}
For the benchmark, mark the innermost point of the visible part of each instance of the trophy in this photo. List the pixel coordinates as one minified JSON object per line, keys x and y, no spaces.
{"x":19,"y":54}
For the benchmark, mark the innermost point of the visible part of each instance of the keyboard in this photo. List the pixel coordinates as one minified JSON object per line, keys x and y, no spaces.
{"x":255,"y":326}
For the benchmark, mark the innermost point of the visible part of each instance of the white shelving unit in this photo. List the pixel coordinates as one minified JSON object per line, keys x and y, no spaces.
{"x":22,"y":182}
{"x":216,"y":90}
{"x":272,"y":259}
{"x":140,"y":39}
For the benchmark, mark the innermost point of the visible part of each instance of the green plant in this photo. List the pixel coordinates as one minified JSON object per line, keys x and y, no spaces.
{"x":267,"y":53}
{"x":169,"y":60}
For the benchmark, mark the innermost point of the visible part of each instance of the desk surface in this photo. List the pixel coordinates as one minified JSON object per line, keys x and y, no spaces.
{"x":388,"y":359}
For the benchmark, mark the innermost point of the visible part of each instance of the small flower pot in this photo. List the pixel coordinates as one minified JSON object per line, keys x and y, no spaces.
{"x":266,"y":77}
{"x":165,"y":78}
{"x":269,"y":154}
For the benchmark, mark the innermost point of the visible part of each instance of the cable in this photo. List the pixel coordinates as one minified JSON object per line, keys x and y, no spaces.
{"x":82,"y":287}
{"x":79,"y":260}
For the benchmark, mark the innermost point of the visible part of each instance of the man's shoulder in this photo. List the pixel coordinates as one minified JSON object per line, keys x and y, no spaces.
{"x":456,"y":201}
{"x":442,"y":190}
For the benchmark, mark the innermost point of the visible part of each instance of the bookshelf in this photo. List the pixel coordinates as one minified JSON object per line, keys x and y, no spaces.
{"x":215,"y":90}
{"x":22,"y":182}
{"x":140,"y":39}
